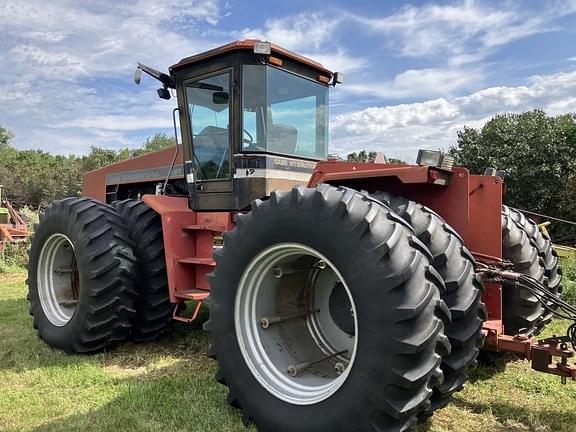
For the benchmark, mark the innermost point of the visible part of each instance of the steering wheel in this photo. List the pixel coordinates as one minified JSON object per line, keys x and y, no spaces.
{"x":250,"y":139}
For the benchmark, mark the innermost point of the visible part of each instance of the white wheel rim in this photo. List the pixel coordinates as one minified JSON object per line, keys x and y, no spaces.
{"x":285,"y":280}
{"x":57,"y":279}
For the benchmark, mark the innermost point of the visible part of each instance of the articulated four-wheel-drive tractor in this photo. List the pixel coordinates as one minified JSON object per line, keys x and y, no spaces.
{"x":343,"y":296}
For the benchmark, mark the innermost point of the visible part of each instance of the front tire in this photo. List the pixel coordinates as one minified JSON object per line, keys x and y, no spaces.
{"x":349,"y":275}
{"x":81,"y":276}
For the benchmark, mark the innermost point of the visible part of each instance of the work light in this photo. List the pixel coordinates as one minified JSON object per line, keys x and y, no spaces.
{"x":262,"y":48}
{"x":434,"y":158}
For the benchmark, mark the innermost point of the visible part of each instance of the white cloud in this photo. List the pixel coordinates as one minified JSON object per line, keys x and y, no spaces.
{"x":309,"y":34}
{"x":462,"y":32}
{"x":303,"y":31}
{"x":70,"y":63}
{"x":66,"y":66}
{"x":401,"y":129}
{"x":422,"y":83}
{"x":119,"y":123}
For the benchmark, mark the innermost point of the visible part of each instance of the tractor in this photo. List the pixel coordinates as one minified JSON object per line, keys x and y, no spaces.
{"x":342,"y":296}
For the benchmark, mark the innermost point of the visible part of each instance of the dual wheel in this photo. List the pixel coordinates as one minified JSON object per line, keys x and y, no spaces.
{"x":97,"y":275}
{"x":350,"y":312}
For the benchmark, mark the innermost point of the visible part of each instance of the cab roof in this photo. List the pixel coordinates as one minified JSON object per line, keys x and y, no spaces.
{"x":248,"y":44}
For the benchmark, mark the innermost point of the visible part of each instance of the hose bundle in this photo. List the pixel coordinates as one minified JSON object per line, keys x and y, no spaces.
{"x":548,"y":299}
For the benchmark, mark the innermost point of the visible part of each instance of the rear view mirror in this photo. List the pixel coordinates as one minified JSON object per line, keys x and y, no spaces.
{"x":220,"y":98}
{"x":137,"y":75}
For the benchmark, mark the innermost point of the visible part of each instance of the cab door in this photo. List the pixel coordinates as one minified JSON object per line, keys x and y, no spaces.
{"x":209,"y":104}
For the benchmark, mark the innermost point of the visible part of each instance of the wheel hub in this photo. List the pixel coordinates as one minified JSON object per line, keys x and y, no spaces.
{"x":295,"y":323}
{"x":58,"y":279}
{"x":341,"y":309}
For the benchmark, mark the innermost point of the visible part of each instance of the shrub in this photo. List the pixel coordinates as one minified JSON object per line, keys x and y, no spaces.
{"x":569,"y":279}
{"x":14,"y":255}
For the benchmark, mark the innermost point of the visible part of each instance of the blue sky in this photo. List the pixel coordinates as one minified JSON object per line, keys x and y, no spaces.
{"x":415,"y":72}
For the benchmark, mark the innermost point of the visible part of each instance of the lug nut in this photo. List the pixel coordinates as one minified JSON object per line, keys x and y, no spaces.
{"x":277,"y":272}
{"x":340,"y":368}
{"x":321,"y":264}
{"x":266,"y":322}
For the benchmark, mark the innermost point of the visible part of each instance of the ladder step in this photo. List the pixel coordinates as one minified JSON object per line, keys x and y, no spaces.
{"x":204,"y":227}
{"x":193,"y":294}
{"x":197,"y":261}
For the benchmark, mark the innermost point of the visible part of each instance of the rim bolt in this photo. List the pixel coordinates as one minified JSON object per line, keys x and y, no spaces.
{"x":264,"y":323}
{"x":340,"y":368}
{"x":277,"y":272}
{"x":321,"y":264}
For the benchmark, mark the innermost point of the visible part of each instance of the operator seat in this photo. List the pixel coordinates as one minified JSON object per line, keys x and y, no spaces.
{"x":211,"y":149}
{"x":282,"y":138}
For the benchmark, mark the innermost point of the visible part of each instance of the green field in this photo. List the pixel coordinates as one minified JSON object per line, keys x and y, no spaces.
{"x":169,"y":386}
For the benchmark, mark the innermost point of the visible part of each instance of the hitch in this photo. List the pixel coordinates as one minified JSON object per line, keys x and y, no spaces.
{"x":543,"y":354}
{"x":540,"y":353}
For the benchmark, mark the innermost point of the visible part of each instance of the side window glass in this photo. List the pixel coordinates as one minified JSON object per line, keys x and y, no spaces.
{"x":209,"y":111}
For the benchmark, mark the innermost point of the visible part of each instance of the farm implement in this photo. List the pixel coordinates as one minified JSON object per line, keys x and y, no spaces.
{"x":13,"y":226}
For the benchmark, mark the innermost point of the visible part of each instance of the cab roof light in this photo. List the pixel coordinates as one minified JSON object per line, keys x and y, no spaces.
{"x":263,"y":48}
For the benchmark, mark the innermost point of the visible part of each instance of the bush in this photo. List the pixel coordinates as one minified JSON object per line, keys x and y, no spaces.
{"x":31,"y":216}
{"x":14,"y":256}
{"x":569,"y":279}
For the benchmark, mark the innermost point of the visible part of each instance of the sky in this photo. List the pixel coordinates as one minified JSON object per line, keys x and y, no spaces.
{"x":415,"y":73}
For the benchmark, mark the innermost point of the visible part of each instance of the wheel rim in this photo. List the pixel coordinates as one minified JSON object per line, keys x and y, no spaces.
{"x":58,"y":278}
{"x":296,"y":324}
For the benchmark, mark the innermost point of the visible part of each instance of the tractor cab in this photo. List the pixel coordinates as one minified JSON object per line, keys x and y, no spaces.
{"x":254,"y":119}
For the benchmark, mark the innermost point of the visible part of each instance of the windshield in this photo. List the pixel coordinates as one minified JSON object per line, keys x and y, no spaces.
{"x":288,"y":115}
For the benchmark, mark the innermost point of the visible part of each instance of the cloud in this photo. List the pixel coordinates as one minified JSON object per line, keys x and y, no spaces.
{"x":420,"y":83}
{"x":310,"y":34}
{"x":400,"y":130}
{"x":119,"y":123}
{"x":299,"y":32}
{"x":462,"y":32}
{"x":66,"y":66}
{"x":71,"y":63}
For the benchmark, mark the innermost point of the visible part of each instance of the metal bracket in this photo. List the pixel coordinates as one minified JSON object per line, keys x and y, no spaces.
{"x":187,"y":320}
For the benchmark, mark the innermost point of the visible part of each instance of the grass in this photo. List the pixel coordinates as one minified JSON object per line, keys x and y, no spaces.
{"x":169,"y":386}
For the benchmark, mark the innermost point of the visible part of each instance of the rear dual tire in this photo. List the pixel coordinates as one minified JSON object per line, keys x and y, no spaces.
{"x":81,"y":276}
{"x":552,"y":277}
{"x":521,"y":310}
{"x":463,"y":293}
{"x":394,"y":292}
{"x":153,"y":315}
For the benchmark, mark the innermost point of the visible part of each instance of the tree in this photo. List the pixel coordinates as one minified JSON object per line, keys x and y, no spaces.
{"x":5,"y":137}
{"x":362,"y":156}
{"x":35,"y":177}
{"x":537,"y":151}
{"x":160,"y":141}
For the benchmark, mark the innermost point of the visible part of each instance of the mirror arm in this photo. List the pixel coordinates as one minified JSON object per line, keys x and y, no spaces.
{"x":165,"y":79}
